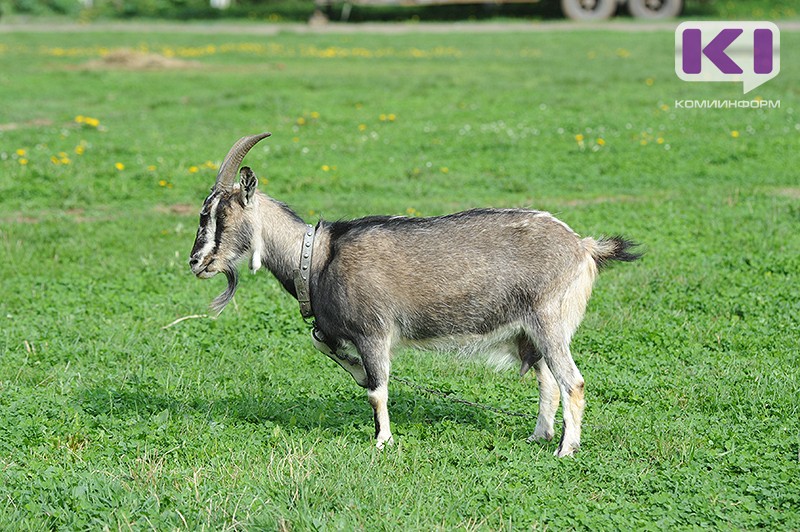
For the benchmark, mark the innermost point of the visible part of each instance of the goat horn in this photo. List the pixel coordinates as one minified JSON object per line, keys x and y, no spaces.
{"x":229,"y":167}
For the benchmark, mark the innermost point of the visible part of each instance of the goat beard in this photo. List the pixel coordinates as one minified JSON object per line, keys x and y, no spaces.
{"x":219,"y":303}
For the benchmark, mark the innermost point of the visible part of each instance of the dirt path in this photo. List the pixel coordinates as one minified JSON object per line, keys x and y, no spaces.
{"x":250,"y":28}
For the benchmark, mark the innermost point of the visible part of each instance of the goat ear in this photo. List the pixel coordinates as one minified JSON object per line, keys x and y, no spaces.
{"x":248,"y":185}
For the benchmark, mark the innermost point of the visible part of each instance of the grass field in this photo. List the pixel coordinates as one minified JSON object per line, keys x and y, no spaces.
{"x":690,"y":355}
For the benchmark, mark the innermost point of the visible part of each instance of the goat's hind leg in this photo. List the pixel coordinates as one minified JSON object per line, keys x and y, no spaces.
{"x":548,"y":390}
{"x":559,"y":359}
{"x":556,"y":366}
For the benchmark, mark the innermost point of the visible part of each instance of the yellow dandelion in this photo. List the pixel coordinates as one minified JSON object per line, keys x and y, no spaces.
{"x":314,"y":115}
{"x":169,"y":185}
{"x":301,"y":121}
{"x":362,"y":127}
{"x":391,"y":117}
{"x":660,"y":140}
{"x":80,"y":149}
{"x":210,"y":165}
{"x":664,"y":107}
{"x":735,"y":134}
{"x":55,"y":160}
{"x":151,"y":168}
{"x":23,"y":161}
{"x":193,"y":169}
{"x":21,"y":152}
{"x":382,"y":117}
{"x":649,"y":82}
{"x":162,"y":183}
{"x":119,"y":166}
{"x":325,"y":168}
{"x":601,"y":142}
{"x":80,"y":119}
{"x":579,"y":138}
{"x":444,"y":170}
{"x":65,"y":160}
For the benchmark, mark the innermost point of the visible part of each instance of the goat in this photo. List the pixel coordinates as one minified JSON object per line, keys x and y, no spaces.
{"x":512,"y":281}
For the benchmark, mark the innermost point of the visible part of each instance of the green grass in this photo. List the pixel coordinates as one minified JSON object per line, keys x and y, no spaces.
{"x":690,"y":356}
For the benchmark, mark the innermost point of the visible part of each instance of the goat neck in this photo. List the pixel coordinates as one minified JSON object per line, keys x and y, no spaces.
{"x":277,"y":240}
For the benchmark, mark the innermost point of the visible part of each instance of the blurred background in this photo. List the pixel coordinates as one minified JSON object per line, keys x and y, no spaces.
{"x":393,"y":10}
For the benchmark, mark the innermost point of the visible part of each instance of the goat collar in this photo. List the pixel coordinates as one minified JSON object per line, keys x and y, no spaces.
{"x":302,"y":275}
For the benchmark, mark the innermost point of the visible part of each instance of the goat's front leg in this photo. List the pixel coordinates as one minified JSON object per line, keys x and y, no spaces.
{"x":376,"y":360}
{"x":349,"y":362}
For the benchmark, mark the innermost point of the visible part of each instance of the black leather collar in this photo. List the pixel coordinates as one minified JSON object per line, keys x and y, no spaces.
{"x":302,"y":275}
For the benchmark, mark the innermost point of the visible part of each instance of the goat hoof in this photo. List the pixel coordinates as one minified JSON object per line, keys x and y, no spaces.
{"x":566,"y":450}
{"x":382,"y":442}
{"x":541,"y":435}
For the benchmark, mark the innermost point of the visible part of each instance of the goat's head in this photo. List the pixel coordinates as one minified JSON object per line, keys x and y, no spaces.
{"x":225,"y":232}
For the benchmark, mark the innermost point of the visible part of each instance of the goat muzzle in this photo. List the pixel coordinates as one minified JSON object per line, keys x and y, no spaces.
{"x":200,"y":268}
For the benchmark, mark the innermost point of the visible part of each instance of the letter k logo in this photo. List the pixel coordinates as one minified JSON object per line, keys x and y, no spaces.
{"x":727,"y":51}
{"x":714,"y":51}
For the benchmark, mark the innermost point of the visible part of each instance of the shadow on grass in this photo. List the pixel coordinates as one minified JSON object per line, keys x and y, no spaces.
{"x":338,"y":412}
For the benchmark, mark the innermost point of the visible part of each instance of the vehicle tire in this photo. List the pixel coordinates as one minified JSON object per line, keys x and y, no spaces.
{"x":588,"y":9}
{"x":655,"y":9}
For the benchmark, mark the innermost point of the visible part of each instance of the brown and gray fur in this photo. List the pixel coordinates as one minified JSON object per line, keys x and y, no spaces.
{"x":510,"y":282}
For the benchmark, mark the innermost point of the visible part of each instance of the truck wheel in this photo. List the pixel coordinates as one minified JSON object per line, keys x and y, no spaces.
{"x":588,"y":9}
{"x":654,"y":9}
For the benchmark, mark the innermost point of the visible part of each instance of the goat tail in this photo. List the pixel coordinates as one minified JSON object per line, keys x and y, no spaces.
{"x":611,"y":248}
